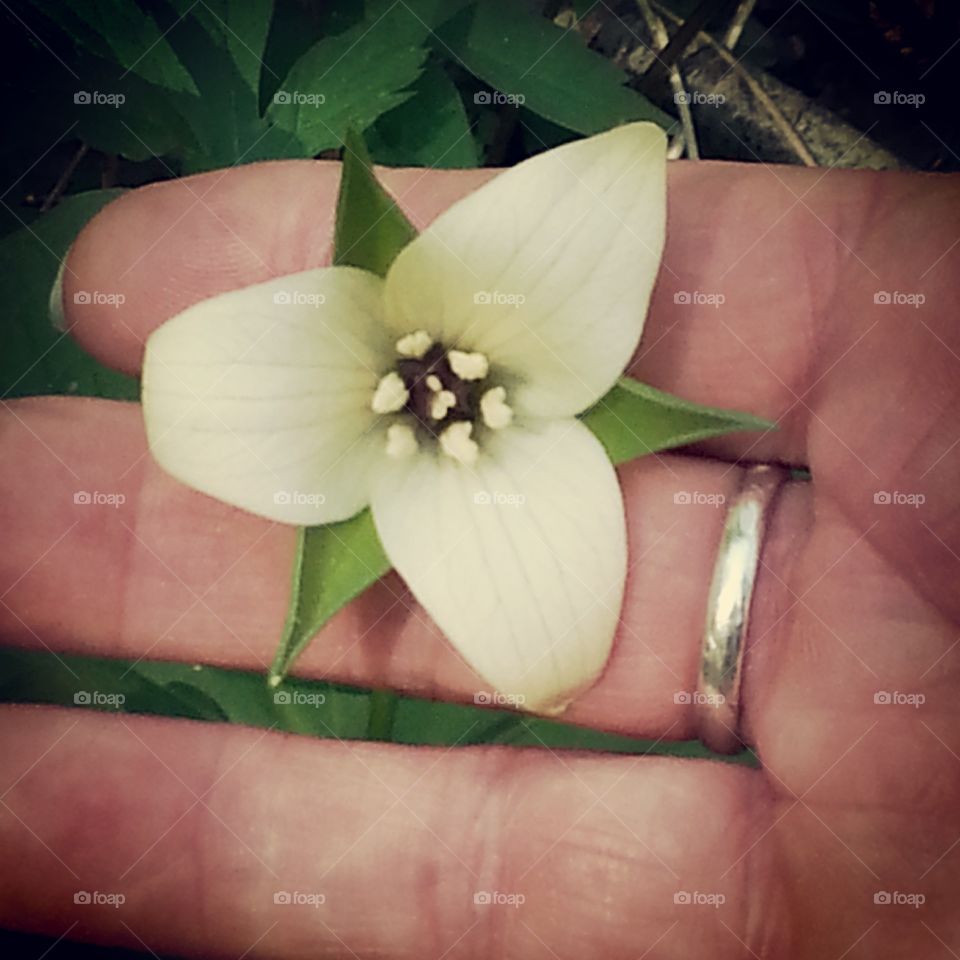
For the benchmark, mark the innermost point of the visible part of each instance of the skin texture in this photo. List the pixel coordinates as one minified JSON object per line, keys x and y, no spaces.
{"x":198,"y":825}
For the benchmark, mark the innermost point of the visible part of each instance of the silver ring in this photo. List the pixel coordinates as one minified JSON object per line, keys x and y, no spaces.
{"x":728,"y":609}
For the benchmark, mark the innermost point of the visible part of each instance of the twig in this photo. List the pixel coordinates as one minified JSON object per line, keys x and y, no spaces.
{"x":661,"y":40}
{"x":54,"y":195}
{"x":776,"y":114}
{"x":507,"y":120}
{"x":109,"y":170}
{"x":737,"y":22}
{"x":688,"y":31}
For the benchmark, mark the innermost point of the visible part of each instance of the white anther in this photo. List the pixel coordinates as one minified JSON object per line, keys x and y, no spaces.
{"x":441,"y":402}
{"x":401,"y":441}
{"x":391,"y":394}
{"x":496,"y":413}
{"x":433,"y":382}
{"x":468,"y":366}
{"x":414,"y":344}
{"x":455,"y":442}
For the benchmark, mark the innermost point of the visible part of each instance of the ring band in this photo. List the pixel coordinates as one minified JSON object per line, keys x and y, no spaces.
{"x":728,"y":608}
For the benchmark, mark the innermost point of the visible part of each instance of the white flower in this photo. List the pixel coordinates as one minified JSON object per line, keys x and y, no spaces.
{"x":445,"y":397}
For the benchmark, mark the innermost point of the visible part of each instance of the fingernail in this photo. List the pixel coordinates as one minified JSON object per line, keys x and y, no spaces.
{"x":55,"y":309}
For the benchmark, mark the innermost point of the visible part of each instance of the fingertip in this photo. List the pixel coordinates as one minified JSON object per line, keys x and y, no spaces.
{"x":159,"y":249}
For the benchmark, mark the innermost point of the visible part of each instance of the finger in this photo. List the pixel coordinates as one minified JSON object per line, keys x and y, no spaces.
{"x":198,"y":828}
{"x":173,"y":244}
{"x":797,"y":255}
{"x":152,"y":569}
{"x":166,"y":247}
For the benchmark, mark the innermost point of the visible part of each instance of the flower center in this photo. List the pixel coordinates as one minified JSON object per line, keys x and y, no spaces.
{"x":438,"y":395}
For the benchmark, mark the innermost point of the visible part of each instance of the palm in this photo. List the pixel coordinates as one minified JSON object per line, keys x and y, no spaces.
{"x":855,"y":597}
{"x":859,"y":597}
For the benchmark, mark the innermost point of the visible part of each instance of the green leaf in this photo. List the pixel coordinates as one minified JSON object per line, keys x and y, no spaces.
{"x":120,"y":31}
{"x":383,"y":715}
{"x":309,"y":707}
{"x":370,"y":228}
{"x":333,"y":564}
{"x":429,"y":130}
{"x":337,"y":562}
{"x":192,"y":703}
{"x":429,"y":14}
{"x":351,"y":79}
{"x":240,"y":26}
{"x":37,"y":358}
{"x":634,"y":419}
{"x":224,"y":119}
{"x":520,"y":53}
{"x":294,"y":28}
{"x":211,"y":120}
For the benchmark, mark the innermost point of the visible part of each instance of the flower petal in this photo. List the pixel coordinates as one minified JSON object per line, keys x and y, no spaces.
{"x":520,"y":559}
{"x":261,"y":396}
{"x":547,"y":269}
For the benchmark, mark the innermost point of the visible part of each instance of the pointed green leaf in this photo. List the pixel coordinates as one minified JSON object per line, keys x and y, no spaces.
{"x":334,"y":563}
{"x":337,"y":562}
{"x":634,"y":419}
{"x":120,"y":31}
{"x":240,"y":26}
{"x":370,"y":228}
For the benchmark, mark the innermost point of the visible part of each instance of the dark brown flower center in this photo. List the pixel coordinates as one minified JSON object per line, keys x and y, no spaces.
{"x":418,"y":376}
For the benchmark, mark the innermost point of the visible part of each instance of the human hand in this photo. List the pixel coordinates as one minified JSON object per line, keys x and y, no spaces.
{"x":855,"y":597}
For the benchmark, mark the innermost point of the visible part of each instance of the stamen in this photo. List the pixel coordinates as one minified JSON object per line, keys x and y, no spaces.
{"x":494,"y":409}
{"x":434,"y":383}
{"x":455,"y":442}
{"x":468,"y":366}
{"x":391,"y":394}
{"x":401,"y":441}
{"x":441,"y":403}
{"x":414,"y":344}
